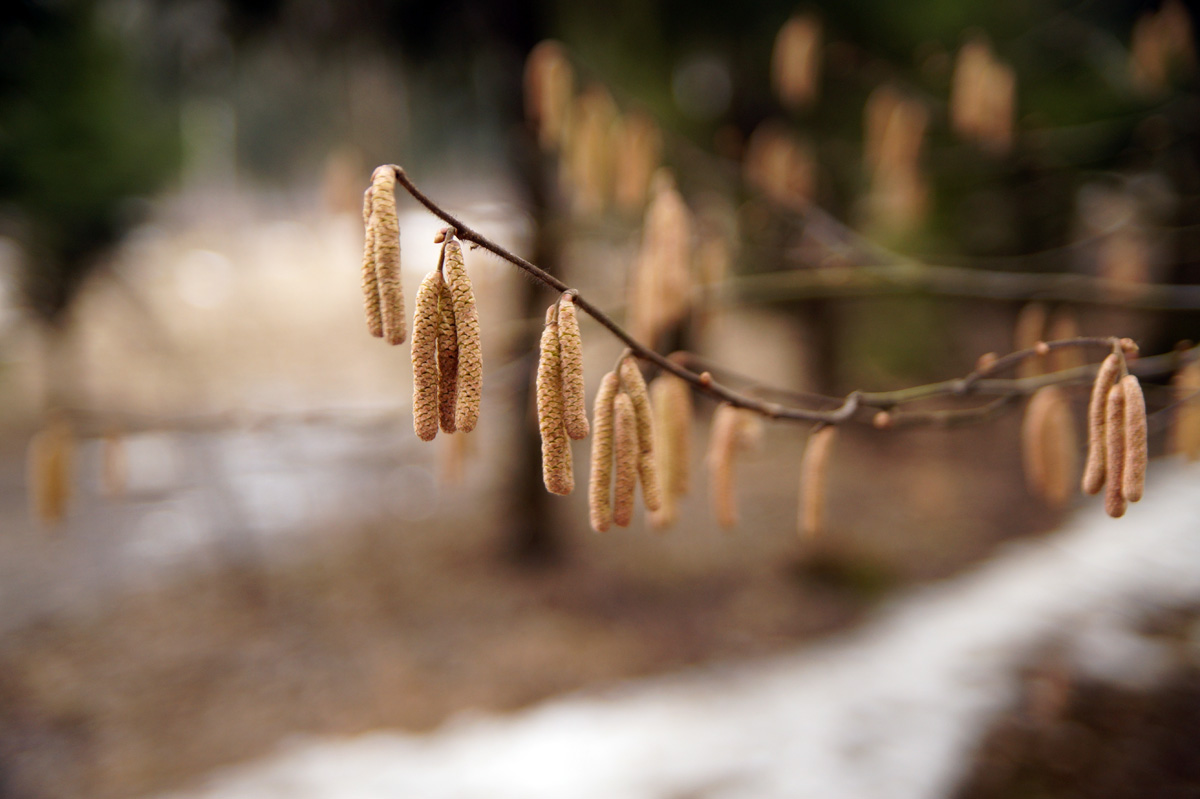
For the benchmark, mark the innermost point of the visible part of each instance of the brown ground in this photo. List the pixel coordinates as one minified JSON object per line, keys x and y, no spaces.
{"x":390,"y":627}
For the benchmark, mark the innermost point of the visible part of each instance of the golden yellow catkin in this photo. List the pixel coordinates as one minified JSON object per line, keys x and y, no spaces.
{"x":638,"y":150}
{"x":1133,"y":474}
{"x":722,"y":446}
{"x":661,"y":285}
{"x":1030,"y":328}
{"x":814,"y":474}
{"x":1185,"y":430}
{"x":796,"y":61}
{"x":447,"y":357}
{"x":626,"y":455}
{"x":1094,"y":472}
{"x":570,"y":346}
{"x":1114,"y":451}
{"x":466,"y":325}
{"x":633,"y":384}
{"x":600,"y":482}
{"x":556,"y":451}
{"x":672,"y":402}
{"x":549,"y":83}
{"x":424,"y":357}
{"x":370,"y":284}
{"x":386,"y":227}
{"x":1048,"y":446}
{"x":50,"y":465}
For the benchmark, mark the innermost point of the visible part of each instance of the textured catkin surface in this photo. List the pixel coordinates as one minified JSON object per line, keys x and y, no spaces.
{"x":1095,"y":471}
{"x":634,"y":385}
{"x":570,"y":346}
{"x":447,"y":355}
{"x":600,"y":509}
{"x":672,"y":402}
{"x":424,"y":357}
{"x":1048,"y":445}
{"x":470,"y":352}
{"x":1114,"y":451}
{"x":370,"y":284}
{"x":814,"y":471}
{"x":386,"y":226}
{"x":556,"y":450}
{"x":626,"y":435}
{"x":1133,"y":474}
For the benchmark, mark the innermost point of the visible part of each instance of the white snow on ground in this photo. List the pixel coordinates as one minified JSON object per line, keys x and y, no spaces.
{"x":891,"y":710}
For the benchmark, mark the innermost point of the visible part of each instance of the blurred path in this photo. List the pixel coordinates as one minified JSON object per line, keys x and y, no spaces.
{"x":891,"y":710}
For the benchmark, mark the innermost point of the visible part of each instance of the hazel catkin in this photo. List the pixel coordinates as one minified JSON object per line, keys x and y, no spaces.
{"x":466,"y":324}
{"x":556,"y":450}
{"x":627,"y":459}
{"x":1048,"y":445}
{"x":1133,"y":474}
{"x":814,"y":471}
{"x":571,"y":359}
{"x":722,"y":446}
{"x":1094,"y":472}
{"x":370,"y":284}
{"x":385,"y":225}
{"x":600,"y":510}
{"x":672,"y":402}
{"x":424,"y":357}
{"x":633,"y":384}
{"x":1114,"y":451}
{"x":447,"y":358}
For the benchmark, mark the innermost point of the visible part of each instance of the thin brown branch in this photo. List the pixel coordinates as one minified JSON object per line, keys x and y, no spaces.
{"x":703,"y":382}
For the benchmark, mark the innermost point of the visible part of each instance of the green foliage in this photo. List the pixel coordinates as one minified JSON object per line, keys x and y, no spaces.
{"x":79,"y":143}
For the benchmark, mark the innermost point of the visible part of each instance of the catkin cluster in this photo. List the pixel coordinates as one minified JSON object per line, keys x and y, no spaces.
{"x":1117,"y":449}
{"x":383,"y":295}
{"x":1048,"y":446}
{"x":622,"y":441}
{"x":446,"y":354}
{"x":562,"y":414}
{"x":733,"y":430}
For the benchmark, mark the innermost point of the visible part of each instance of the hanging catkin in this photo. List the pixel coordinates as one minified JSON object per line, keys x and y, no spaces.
{"x":600,"y":483}
{"x":424,"y":357}
{"x":634,"y":385}
{"x":722,"y":446}
{"x":627,"y":459}
{"x":672,"y":403}
{"x":370,"y":284}
{"x":447,"y":356}
{"x":49,"y":466}
{"x":571,"y":352}
{"x":1114,"y":451}
{"x":1048,"y":445}
{"x":1133,"y":474}
{"x":814,"y":471}
{"x":1185,"y":431}
{"x":1094,"y":471}
{"x":466,"y":324}
{"x":386,"y":228}
{"x":556,"y":450}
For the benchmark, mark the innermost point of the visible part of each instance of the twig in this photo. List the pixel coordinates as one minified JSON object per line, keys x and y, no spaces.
{"x":974,"y":383}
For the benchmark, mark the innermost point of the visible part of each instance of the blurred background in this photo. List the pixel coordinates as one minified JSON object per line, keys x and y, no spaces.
{"x":219,"y":534}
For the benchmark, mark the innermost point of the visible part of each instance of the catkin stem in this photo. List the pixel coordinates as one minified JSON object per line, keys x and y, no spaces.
{"x":600,"y":482}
